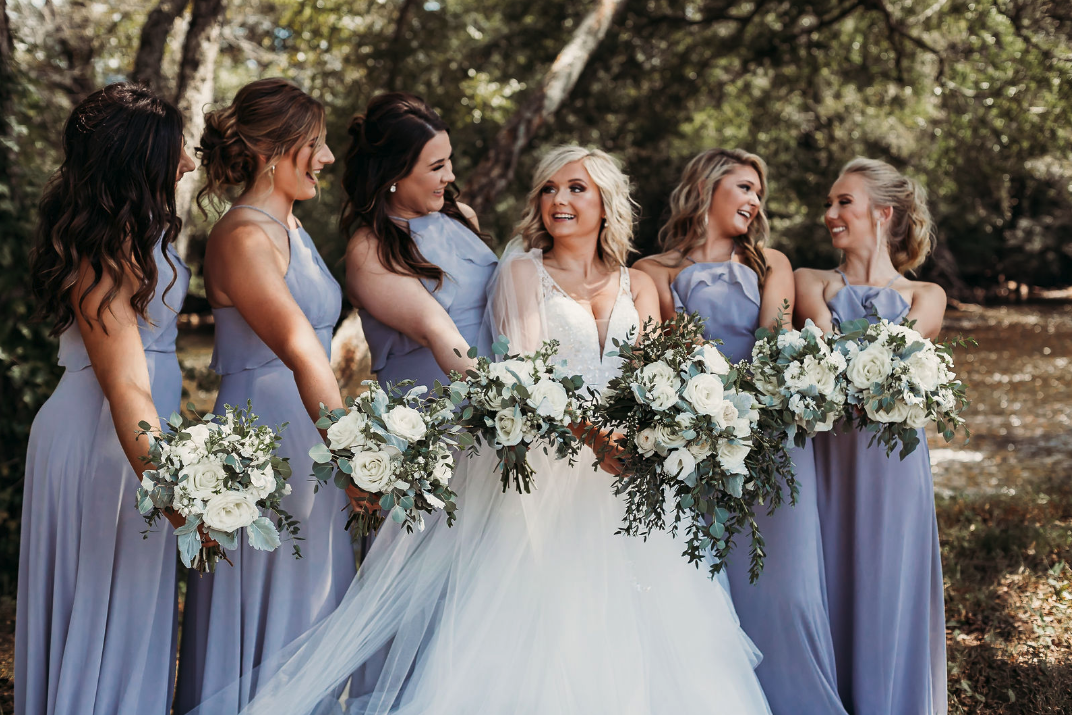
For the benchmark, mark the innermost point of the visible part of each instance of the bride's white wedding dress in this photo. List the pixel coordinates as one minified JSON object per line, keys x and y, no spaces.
{"x":530,"y":603}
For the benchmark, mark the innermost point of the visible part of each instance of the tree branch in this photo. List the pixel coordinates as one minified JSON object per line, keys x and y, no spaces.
{"x":154,"y":34}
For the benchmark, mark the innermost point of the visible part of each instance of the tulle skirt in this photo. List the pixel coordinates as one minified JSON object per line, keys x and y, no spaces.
{"x":529,"y":604}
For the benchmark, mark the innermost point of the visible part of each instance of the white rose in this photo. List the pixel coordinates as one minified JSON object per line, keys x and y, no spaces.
{"x":705,"y":393}
{"x":731,"y":456}
{"x":791,"y":339}
{"x":819,"y":374}
{"x":262,"y":481}
{"x":182,"y":454}
{"x":374,"y":471}
{"x":347,"y":432}
{"x":230,"y":511}
{"x":549,"y":398}
{"x":910,"y":335}
{"x":508,"y":427}
{"x":667,"y":437}
{"x":521,"y":368}
{"x":726,"y":414}
{"x":812,"y":329}
{"x":199,"y":434}
{"x":659,"y":375}
{"x":713,"y":361}
{"x":662,"y":398}
{"x":835,"y":362}
{"x":680,"y":463}
{"x":897,"y":413}
{"x":203,"y":479}
{"x":742,"y":427}
{"x":917,"y":417}
{"x":924,"y":369}
{"x":700,"y":449}
{"x":645,"y":441}
{"x":405,"y":422}
{"x":872,"y":364}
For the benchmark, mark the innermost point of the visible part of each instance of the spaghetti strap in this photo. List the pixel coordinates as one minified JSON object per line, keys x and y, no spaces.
{"x":892,"y":281}
{"x":843,"y":277}
{"x":623,"y":280}
{"x":287,"y":228}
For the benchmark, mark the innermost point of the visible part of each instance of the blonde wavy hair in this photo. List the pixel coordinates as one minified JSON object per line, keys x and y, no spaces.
{"x":616,"y":236}
{"x":690,"y":203}
{"x":911,"y":233}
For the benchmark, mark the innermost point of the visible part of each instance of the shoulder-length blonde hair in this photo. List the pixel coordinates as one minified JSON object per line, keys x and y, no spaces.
{"x":616,"y":236}
{"x":691,"y":201}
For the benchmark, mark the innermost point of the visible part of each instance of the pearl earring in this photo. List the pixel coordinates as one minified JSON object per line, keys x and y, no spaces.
{"x":394,"y":188}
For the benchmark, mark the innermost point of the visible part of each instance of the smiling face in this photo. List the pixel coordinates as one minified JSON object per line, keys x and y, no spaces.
{"x":296,"y":174}
{"x":421,"y":191}
{"x":736,"y":202}
{"x":850,"y":217}
{"x":570,"y":204}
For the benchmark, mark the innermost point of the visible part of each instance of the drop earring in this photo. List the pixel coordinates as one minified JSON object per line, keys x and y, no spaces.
{"x":394,"y":188}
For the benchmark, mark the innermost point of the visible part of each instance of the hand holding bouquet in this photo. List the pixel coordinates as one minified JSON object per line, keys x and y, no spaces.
{"x":693,"y":429}
{"x":516,"y":405}
{"x":395,"y":445}
{"x":220,"y":474}
{"x":897,"y":381}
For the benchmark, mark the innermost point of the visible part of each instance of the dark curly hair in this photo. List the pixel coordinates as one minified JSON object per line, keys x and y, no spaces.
{"x":385,"y":144}
{"x":110,"y":204}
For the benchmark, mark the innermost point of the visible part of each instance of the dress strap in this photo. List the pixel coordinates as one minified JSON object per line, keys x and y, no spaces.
{"x":892,"y":281}
{"x":255,"y":208}
{"x":843,"y":277}
{"x":623,"y":280}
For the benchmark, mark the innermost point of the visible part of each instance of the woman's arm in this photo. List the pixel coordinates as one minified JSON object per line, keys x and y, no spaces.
{"x":928,"y":308}
{"x":403,"y":303}
{"x":660,"y":277}
{"x":811,"y":300}
{"x":250,"y":276}
{"x":778,"y":289}
{"x":646,"y":298}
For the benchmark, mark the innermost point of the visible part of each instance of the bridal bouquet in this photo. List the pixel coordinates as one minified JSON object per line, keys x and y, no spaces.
{"x":395,"y":445}
{"x":516,"y":405}
{"x":801,"y":378}
{"x":898,"y":381}
{"x":221,"y":473}
{"x":693,"y":432}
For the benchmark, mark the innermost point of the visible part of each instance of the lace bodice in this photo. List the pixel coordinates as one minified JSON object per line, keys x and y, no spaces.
{"x":573,"y":326}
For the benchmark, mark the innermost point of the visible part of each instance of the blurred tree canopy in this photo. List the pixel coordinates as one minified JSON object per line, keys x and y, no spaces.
{"x":972,"y":97}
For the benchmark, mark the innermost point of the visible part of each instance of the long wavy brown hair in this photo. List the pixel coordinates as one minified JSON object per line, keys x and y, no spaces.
{"x":385,"y":144}
{"x":691,"y":201}
{"x":109,"y":205}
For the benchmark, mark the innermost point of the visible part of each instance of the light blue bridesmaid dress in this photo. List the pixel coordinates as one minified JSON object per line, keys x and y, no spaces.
{"x":95,"y":630}
{"x":785,"y":611}
{"x":468,"y":265}
{"x":883,"y":563}
{"x":240,"y":616}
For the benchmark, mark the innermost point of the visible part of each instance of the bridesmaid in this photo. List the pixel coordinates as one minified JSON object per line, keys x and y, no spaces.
{"x":96,"y":624}
{"x":416,"y":265}
{"x":275,"y":304}
{"x":879,"y":531}
{"x":714,"y":263}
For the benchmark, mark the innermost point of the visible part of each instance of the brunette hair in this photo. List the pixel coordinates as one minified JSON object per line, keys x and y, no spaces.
{"x":911,"y":233}
{"x":691,"y":201}
{"x":110,"y":204}
{"x":267,"y":119}
{"x":385,"y":144}
{"x":616,"y":236}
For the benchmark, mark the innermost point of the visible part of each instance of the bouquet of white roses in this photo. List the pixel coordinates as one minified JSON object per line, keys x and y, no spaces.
{"x":517,"y":404}
{"x":693,"y":430}
{"x":221,"y":473}
{"x":395,"y":445}
{"x":898,"y":381}
{"x":801,"y":378}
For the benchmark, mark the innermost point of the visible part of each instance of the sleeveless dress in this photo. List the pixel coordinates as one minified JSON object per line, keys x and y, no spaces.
{"x":785,"y":611}
{"x":95,"y":631}
{"x":468,"y":265}
{"x":531,"y":603}
{"x":241,"y":615}
{"x":883,"y":563}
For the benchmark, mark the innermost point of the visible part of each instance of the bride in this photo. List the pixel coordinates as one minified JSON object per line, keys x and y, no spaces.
{"x":531,"y":603}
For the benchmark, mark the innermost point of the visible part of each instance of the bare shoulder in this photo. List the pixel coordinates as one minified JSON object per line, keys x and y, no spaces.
{"x":238,"y":239}
{"x":640,"y":281}
{"x":813,"y":276}
{"x":362,"y":248}
{"x":777,"y":260}
{"x":467,"y":211}
{"x":657,"y":267}
{"x":928,"y":292}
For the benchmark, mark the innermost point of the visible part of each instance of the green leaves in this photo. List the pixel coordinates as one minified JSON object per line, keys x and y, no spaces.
{"x":320,"y":453}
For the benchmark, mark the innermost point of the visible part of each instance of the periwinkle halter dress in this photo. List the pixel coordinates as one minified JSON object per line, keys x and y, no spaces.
{"x":468,"y":265}
{"x":240,"y":616}
{"x":95,"y":630}
{"x":883,"y":562}
{"x":785,"y":611}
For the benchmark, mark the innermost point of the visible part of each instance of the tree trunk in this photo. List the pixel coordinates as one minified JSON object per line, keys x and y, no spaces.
{"x":496,"y":169}
{"x":74,"y":43}
{"x":350,"y":357}
{"x":397,"y":50}
{"x":154,"y":34}
{"x":7,"y":109}
{"x":195,"y":91}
